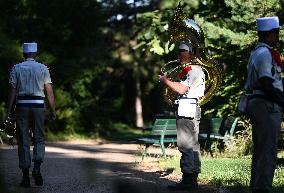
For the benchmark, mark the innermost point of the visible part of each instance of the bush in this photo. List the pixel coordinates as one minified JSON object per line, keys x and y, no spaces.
{"x":242,"y":144}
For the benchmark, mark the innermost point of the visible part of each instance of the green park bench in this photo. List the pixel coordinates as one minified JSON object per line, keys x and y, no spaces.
{"x":220,"y":129}
{"x":163,"y":131}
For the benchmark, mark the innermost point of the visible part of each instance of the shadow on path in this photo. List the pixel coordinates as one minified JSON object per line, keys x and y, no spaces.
{"x":85,"y":168}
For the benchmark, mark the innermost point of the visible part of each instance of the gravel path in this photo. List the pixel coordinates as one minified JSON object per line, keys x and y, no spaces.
{"x":89,"y":167}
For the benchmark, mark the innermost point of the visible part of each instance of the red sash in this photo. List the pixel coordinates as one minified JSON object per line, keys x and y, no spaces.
{"x":276,"y":56}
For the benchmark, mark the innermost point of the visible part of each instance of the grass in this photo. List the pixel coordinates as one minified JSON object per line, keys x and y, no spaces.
{"x":60,"y":136}
{"x":233,"y":173}
{"x":123,"y":134}
{"x":119,"y":132}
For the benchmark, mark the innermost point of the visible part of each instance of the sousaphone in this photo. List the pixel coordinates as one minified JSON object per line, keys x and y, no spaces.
{"x":182,"y":28}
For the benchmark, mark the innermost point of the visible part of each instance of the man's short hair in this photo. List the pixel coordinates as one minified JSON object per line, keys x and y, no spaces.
{"x":263,"y":34}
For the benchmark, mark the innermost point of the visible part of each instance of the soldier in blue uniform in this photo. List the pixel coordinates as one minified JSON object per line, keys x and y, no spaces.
{"x":28,"y":81}
{"x":266,"y":103}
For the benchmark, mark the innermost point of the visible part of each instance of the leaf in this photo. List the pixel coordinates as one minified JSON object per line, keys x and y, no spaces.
{"x":156,"y":48}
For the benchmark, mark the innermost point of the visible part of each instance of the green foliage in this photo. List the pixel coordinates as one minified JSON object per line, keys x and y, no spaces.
{"x":242,"y":143}
{"x":153,"y":37}
{"x":246,"y":11}
{"x":61,"y":136}
{"x":67,"y":120}
{"x":121,"y":131}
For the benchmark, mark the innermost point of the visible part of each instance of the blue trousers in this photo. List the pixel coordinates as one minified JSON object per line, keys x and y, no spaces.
{"x":30,"y":118}
{"x":266,"y":127}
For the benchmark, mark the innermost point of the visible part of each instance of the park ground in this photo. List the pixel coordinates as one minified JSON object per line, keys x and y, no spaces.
{"x":89,"y":166}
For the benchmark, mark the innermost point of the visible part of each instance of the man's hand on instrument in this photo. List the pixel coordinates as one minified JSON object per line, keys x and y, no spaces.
{"x":162,"y":78}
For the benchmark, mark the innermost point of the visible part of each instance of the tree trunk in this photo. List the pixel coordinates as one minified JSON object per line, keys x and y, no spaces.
{"x":138,"y":100}
{"x":138,"y":105}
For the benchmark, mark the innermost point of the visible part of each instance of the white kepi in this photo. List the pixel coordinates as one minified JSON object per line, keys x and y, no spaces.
{"x":29,"y":47}
{"x":267,"y":23}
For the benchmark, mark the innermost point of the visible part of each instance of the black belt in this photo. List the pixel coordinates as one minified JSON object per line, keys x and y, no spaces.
{"x":260,"y":96}
{"x":30,"y":101}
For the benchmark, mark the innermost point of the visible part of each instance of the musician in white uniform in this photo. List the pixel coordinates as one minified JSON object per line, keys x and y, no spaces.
{"x":190,"y":88}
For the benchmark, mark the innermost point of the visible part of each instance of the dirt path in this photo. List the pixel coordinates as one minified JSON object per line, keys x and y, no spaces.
{"x":89,"y":167}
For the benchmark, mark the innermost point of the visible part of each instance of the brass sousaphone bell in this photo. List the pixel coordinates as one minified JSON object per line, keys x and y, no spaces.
{"x":183,"y":29}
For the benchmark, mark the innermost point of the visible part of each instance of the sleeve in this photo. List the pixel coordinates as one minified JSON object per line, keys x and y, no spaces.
{"x":13,"y":77}
{"x":190,"y":78}
{"x":46,"y":74}
{"x":263,"y":64}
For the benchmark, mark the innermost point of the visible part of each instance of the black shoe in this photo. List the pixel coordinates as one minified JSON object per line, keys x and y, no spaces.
{"x":25,"y":183}
{"x":188,"y":182}
{"x":184,"y":184}
{"x":38,"y":178}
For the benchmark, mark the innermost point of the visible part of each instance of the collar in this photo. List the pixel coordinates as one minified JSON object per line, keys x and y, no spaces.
{"x":261,"y":44}
{"x":30,"y":59}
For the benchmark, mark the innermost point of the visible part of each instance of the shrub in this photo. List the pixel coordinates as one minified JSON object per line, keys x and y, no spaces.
{"x":242,"y":143}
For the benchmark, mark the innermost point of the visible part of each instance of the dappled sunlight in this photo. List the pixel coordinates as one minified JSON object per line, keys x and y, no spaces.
{"x":100,"y":152}
{"x":89,"y":153}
